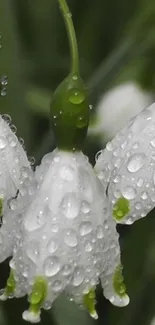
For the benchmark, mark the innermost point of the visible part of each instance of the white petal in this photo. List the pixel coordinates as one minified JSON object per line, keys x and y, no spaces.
{"x":128,"y":165}
{"x":31,"y":317}
{"x":117,"y":107}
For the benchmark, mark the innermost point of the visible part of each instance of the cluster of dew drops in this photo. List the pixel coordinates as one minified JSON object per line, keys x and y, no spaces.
{"x":3,"y":78}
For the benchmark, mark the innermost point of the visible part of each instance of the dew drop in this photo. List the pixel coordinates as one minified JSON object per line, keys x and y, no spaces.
{"x":71,"y":206}
{"x":88,"y":247}
{"x":32,"y":251}
{"x":100,"y":232}
{"x":13,"y":128}
{"x":6,"y":118}
{"x":3,"y":142}
{"x":144,"y":196}
{"x":140,"y":182}
{"x":57,"y":286}
{"x":136,"y":162}
{"x":129,"y":192}
{"x":76,"y":96}
{"x":12,"y":140}
{"x":85,"y":207}
{"x":52,"y":246}
{"x":152,"y":142}
{"x":66,"y":173}
{"x":98,"y":155}
{"x":51,"y":266}
{"x":109,"y":146}
{"x":78,"y":276}
{"x":66,"y":270}
{"x":85,"y":228}
{"x":70,"y":238}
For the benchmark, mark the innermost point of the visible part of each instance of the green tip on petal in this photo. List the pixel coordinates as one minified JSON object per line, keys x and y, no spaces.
{"x":118,"y":282}
{"x":38,"y":295}
{"x":89,"y":302}
{"x":121,"y":208}
{"x":10,"y":285}
{"x":69,"y":113}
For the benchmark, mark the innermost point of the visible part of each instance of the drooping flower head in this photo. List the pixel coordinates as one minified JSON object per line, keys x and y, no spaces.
{"x":127,"y":168}
{"x":68,"y":240}
{"x":15,"y":175}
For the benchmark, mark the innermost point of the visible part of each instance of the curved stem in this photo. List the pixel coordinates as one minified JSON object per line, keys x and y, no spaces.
{"x":71,"y":35}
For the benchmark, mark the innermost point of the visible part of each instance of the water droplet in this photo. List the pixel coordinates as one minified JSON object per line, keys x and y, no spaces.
{"x":136,"y":162}
{"x":140,"y":182}
{"x":100,"y":232}
{"x":144,"y":196}
{"x":3,"y":142}
{"x":81,"y":122}
{"x":71,"y":206}
{"x":57,"y":286}
{"x":12,"y":140}
{"x":85,"y":228}
{"x":85,"y":207}
{"x":88,"y":247}
{"x":51,"y":266}
{"x":78,"y":276}
{"x":138,"y":206}
{"x":117,"y":179}
{"x":66,"y":270}
{"x":66,"y":173}
{"x":13,"y":128}
{"x":70,"y":238}
{"x":6,"y":118}
{"x":109,"y":146}
{"x":52,"y":246}
{"x":152,"y":142}
{"x":75,"y":77}
{"x":76,"y":96}
{"x":98,"y":155}
{"x":32,"y":251}
{"x":129,"y":192}
{"x":31,"y":160}
{"x":4,"y":80}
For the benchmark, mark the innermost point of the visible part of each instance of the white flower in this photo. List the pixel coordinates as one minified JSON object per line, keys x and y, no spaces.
{"x":127,"y":168}
{"x":117,"y":107}
{"x":68,"y":240}
{"x":15,"y":175}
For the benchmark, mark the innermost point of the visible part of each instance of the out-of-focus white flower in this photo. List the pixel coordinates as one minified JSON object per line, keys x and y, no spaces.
{"x":68,"y":240}
{"x":15,"y":178}
{"x":117,"y":107}
{"x":127,"y":168}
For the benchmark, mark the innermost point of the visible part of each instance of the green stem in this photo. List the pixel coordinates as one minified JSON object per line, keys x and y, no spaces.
{"x":71,"y":35}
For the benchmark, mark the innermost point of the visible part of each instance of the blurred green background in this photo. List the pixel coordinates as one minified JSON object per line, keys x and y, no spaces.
{"x":116,"y":43}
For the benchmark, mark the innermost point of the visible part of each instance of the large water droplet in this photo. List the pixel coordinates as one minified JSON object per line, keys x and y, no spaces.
{"x":70,"y":238}
{"x":51,"y":266}
{"x":3,"y":142}
{"x":71,"y":206}
{"x":81,"y":122}
{"x":85,"y":228}
{"x":129,"y":192}
{"x":76,"y":96}
{"x":12,"y":140}
{"x":136,"y":162}
{"x":78,"y":276}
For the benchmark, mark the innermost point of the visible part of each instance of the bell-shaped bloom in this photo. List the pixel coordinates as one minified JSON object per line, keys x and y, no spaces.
{"x":117,"y":107}
{"x":15,"y":181}
{"x":126,"y":168}
{"x":68,"y":241}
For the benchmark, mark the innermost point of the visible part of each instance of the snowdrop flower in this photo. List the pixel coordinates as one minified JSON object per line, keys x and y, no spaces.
{"x":15,"y":171}
{"x":127,"y":168}
{"x":68,"y":240}
{"x":117,"y":107}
